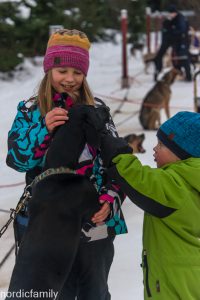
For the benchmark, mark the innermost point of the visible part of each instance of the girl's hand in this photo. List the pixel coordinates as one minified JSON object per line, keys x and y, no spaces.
{"x":56,"y":117}
{"x":102,"y":214}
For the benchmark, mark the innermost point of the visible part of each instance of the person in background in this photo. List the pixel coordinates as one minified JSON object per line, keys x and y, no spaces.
{"x":175,"y":35}
{"x":64,"y":85}
{"x":170,"y":198}
{"x":165,"y":44}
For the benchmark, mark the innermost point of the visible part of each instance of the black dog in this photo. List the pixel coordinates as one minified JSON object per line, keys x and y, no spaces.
{"x":59,"y":205}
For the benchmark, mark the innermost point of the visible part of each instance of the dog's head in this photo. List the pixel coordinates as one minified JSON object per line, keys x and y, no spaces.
{"x":94,"y":123}
{"x":85,"y":125}
{"x":136,"y":142}
{"x":170,"y":76}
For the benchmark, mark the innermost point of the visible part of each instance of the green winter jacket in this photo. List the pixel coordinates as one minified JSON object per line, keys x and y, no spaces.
{"x":170,"y":197}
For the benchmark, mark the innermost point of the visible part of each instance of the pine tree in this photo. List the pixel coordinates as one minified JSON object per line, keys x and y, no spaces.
{"x":136,"y":19}
{"x":35,"y":30}
{"x":9,"y":52}
{"x":29,"y":34}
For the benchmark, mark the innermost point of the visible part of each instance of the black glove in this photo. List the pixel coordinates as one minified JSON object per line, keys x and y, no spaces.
{"x":111,"y":147}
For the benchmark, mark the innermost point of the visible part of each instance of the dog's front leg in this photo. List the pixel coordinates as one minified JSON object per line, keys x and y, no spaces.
{"x":166,"y":107}
{"x":167,"y":112}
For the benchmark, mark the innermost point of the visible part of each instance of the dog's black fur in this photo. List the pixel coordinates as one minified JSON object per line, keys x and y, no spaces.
{"x":59,"y":206}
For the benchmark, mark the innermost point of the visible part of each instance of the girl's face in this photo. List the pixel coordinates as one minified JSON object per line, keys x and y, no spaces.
{"x":162,"y":155}
{"x":66,"y":79}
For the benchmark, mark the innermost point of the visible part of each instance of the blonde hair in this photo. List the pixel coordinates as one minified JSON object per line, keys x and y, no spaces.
{"x":45,"y":94}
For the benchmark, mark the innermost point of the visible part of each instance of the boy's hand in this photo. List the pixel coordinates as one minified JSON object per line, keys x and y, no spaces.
{"x":111,"y":147}
{"x":102,"y":214}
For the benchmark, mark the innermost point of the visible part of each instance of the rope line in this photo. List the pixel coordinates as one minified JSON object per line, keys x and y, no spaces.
{"x":7,"y":256}
{"x":139,"y":102}
{"x":122,"y":102}
{"x":126,"y":119}
{"x":5,"y":211}
{"x":11,"y":185}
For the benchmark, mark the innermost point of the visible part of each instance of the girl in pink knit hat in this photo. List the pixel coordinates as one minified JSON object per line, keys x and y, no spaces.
{"x":64,"y":85}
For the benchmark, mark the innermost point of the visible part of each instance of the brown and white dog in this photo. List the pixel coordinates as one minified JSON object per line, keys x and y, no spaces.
{"x":156,"y":99}
{"x":135,"y":142}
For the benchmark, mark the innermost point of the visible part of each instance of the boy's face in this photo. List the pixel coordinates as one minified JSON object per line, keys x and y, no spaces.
{"x":162,"y":155}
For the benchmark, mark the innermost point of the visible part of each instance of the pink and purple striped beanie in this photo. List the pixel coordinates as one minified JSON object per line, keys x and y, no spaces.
{"x":67,"y":48}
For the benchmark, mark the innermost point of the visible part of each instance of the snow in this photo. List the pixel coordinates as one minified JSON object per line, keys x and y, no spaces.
{"x":125,"y":280}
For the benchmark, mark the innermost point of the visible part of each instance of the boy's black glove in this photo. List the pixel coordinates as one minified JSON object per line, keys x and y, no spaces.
{"x":111,"y":147}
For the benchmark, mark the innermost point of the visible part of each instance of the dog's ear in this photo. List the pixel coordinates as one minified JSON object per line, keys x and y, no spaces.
{"x":99,"y":116}
{"x":130,"y":138}
{"x":94,"y":123}
{"x":142,"y":136}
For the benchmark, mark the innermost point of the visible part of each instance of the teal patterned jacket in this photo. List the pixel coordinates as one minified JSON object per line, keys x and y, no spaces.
{"x":28,"y":141}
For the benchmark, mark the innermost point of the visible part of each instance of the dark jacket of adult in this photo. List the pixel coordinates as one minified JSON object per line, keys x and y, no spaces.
{"x":179,"y":34}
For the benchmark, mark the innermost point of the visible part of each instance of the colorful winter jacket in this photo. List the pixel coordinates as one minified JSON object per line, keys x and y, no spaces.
{"x":170,"y":197}
{"x":28,"y":141}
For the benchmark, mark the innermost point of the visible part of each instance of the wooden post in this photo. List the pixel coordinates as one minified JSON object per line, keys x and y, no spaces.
{"x":125,"y":81}
{"x":148,"y":28}
{"x":54,"y":28}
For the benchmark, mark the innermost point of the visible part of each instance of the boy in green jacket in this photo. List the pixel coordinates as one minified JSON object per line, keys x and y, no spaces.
{"x":170,"y":198}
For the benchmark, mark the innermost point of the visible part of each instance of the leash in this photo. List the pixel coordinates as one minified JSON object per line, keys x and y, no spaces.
{"x":27,"y":194}
{"x":14,"y":212}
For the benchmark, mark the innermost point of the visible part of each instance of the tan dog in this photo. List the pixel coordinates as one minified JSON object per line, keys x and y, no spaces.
{"x":135,"y":142}
{"x":156,"y":99}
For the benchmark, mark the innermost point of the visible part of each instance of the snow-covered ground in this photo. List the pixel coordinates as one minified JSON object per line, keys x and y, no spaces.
{"x":125,"y":278}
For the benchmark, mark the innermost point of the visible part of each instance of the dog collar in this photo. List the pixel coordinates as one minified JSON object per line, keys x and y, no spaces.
{"x":52,"y":171}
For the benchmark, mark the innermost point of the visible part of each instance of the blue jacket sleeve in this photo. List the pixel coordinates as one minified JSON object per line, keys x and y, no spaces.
{"x":28,"y":138}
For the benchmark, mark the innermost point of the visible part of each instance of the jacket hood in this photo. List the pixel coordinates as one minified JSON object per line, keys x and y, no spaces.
{"x":189,"y":170}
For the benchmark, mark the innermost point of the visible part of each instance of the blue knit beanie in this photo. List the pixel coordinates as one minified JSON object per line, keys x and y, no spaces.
{"x":172,"y":8}
{"x":181,"y":134}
